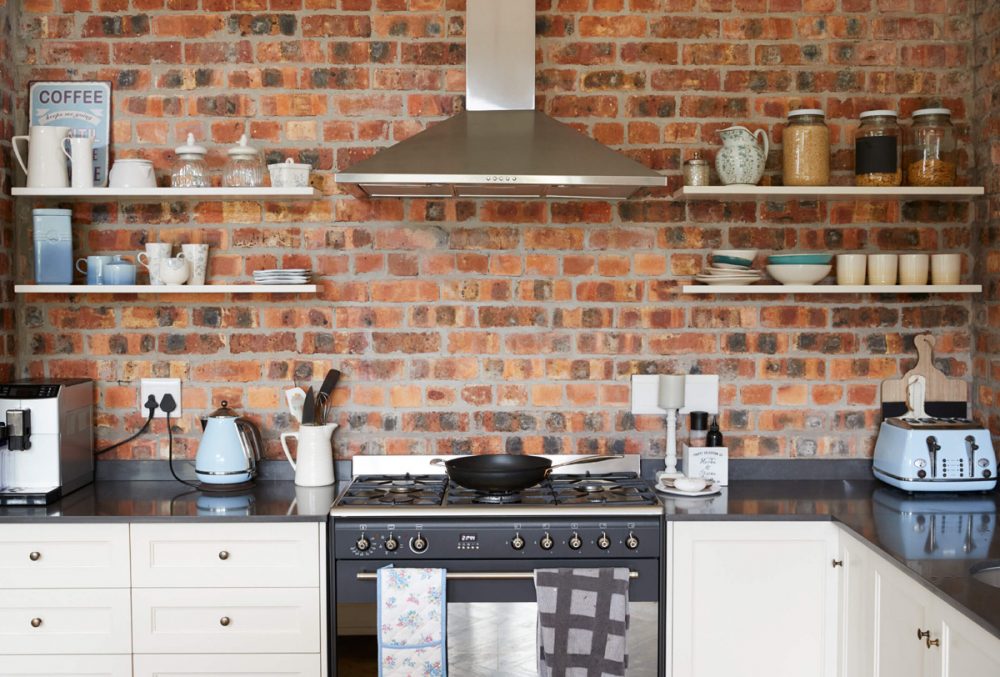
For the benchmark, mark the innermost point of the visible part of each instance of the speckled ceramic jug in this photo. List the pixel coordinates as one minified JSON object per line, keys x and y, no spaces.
{"x":741,"y":159}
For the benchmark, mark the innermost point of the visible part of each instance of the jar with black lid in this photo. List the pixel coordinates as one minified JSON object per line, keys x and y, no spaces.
{"x":877,"y":150}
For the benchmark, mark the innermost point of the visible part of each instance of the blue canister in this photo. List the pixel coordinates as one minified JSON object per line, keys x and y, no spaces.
{"x":53,"y":246}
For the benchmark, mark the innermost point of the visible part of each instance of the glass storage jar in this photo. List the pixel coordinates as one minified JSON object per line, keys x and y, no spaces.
{"x":191,"y":170}
{"x":806,"y":149}
{"x":877,"y":149}
{"x":696,"y":171}
{"x":930,"y":153}
{"x":245,"y":166}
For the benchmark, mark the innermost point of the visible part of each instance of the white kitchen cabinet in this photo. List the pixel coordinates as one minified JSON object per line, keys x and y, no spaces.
{"x":66,"y":666}
{"x":969,"y":651}
{"x":901,"y":608}
{"x":86,"y":621}
{"x":202,"y":665}
{"x":857,"y":607}
{"x":754,"y":599}
{"x":64,"y":556}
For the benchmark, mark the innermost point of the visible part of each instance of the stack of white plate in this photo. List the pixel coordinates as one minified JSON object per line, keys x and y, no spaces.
{"x":282,"y":276}
{"x":730,"y":266}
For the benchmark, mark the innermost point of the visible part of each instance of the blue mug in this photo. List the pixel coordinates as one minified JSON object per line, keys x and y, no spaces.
{"x":119,"y":271}
{"x":93,"y":268}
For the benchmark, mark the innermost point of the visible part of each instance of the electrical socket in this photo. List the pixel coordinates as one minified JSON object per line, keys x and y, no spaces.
{"x":158,"y":387}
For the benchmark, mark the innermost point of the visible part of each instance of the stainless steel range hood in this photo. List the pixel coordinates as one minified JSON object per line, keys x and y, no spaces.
{"x":501,"y":147}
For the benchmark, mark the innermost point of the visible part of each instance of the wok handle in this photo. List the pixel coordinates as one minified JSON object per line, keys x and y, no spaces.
{"x":585,"y":459}
{"x":438,"y":461}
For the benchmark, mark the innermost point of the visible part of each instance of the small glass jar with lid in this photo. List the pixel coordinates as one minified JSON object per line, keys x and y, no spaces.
{"x":930,"y":153}
{"x":805,"y":149}
{"x":877,"y":150}
{"x":245,"y":166}
{"x":191,"y":170}
{"x":696,"y":171}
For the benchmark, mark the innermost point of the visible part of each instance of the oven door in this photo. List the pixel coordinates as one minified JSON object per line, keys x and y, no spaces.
{"x":491,"y":616}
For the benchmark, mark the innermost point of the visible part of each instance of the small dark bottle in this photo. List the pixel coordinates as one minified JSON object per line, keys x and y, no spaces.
{"x":714,"y":437}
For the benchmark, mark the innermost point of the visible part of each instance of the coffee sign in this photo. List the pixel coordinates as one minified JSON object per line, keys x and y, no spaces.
{"x":85,"y":107}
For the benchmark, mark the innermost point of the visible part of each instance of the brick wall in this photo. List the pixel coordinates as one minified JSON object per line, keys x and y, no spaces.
{"x":987,"y":136}
{"x":7,"y":94}
{"x":498,"y":325}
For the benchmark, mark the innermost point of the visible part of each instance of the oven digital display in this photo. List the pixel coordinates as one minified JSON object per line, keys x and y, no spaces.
{"x":467,"y":538}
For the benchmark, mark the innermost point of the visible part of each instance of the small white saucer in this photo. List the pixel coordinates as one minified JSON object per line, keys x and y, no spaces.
{"x":710,"y":490}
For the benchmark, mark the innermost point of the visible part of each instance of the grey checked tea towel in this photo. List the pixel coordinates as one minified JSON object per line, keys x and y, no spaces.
{"x":582,"y":622}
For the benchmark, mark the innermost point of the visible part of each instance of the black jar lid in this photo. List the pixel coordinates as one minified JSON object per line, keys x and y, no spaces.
{"x":699,"y":420}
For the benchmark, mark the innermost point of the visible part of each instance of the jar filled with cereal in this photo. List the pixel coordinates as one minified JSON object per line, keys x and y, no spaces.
{"x":877,"y":150}
{"x":930,"y":153}
{"x":806,"y":149}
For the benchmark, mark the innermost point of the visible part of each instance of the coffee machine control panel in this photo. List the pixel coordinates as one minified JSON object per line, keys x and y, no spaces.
{"x":26,"y":391}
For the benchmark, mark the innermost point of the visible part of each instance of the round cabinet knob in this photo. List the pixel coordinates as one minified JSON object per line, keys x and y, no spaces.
{"x":224,"y":621}
{"x":391,"y":544}
{"x":224,"y":555}
{"x":603,"y":542}
{"x":362,"y":544}
{"x":35,"y":622}
{"x":517,"y":542}
{"x":631,"y":542}
{"x":418,"y":544}
{"x":35,"y":556}
{"x":546,"y":543}
{"x":574,"y":541}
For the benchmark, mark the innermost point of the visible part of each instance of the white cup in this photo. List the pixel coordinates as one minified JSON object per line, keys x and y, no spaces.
{"x":913,"y":268}
{"x":175,"y":271}
{"x":851,"y":268}
{"x":80,"y":151}
{"x":946,"y":268}
{"x":129,"y":173}
{"x":882,"y":269}
{"x":197,"y":256}
{"x":151,"y":258}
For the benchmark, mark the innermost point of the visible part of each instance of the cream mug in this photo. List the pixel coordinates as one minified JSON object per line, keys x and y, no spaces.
{"x":175,"y":271}
{"x":946,"y":268}
{"x":882,"y":269}
{"x":151,"y":258}
{"x":913,"y":268}
{"x":851,"y":268}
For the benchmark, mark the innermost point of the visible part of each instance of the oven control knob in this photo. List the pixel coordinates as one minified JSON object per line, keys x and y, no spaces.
{"x":391,"y":544}
{"x":418,"y":544}
{"x":603,"y":542}
{"x":362,"y":544}
{"x":631,"y":542}
{"x":546,"y":543}
{"x":574,"y":541}
{"x":517,"y":542}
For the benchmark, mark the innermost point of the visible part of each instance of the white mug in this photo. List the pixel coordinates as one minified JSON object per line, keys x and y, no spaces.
{"x":155,"y":252}
{"x":946,"y":268}
{"x":882,"y":269}
{"x":175,"y":271}
{"x":851,"y":268}
{"x":913,"y":268}
{"x":130,"y":173}
{"x":46,"y":167}
{"x":81,"y":159}
{"x":197,"y":256}
{"x":314,"y":467}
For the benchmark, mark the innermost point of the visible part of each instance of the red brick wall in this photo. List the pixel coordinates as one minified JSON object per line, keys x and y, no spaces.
{"x":498,"y":325}
{"x":987,"y":136}
{"x":7,"y":94}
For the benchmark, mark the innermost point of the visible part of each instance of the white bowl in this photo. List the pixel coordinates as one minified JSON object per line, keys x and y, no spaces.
{"x":799,"y":274}
{"x":690,"y":483}
{"x":738,"y":253}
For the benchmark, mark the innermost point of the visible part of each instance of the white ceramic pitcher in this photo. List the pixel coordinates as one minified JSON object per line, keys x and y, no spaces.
{"x":314,"y":464}
{"x":741,"y":159}
{"x":46,"y":167}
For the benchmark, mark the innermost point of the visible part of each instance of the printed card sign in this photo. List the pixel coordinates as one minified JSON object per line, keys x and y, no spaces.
{"x":85,"y":107}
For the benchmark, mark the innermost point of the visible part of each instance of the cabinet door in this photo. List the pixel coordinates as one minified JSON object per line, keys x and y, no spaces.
{"x":207,"y":665}
{"x":969,"y":651}
{"x":755,"y":599}
{"x":857,"y":608}
{"x":64,"y":556}
{"x":65,"y":666}
{"x":901,"y":612}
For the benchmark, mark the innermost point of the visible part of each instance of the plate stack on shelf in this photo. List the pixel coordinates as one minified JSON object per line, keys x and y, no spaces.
{"x":282,"y":276}
{"x":730,"y":266}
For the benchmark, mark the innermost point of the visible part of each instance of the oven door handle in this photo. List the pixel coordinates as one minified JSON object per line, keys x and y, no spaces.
{"x":479,"y":575}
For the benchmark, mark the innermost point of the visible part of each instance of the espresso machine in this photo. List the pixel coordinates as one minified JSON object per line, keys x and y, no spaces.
{"x":46,"y":439}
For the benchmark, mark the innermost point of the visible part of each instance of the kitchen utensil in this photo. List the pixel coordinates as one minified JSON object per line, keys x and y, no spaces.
{"x":296,"y":398}
{"x":882,"y":268}
{"x":913,"y":268}
{"x":154,"y":255}
{"x":229,"y":450}
{"x":325,"y":392}
{"x":80,"y":151}
{"x":289,"y":174}
{"x":799,"y":274}
{"x":799,"y":259}
{"x":741,"y":159}
{"x":46,"y":167}
{"x":197,"y":256}
{"x":313,"y":464}
{"x":500,"y":473}
{"x":118,"y":271}
{"x":191,"y":170}
{"x":851,"y":268}
{"x":309,"y":408}
{"x":946,"y":268}
{"x":939,"y":388}
{"x":175,"y":270}
{"x":132,"y":173}
{"x":53,"y":241}
{"x":93,"y":267}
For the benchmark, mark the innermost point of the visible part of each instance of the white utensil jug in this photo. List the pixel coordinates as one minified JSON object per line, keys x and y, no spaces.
{"x":46,"y":167}
{"x":314,"y":466}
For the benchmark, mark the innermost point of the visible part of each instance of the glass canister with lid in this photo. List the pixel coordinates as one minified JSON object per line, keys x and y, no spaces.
{"x":696,"y":171}
{"x":191,"y":170}
{"x":245,"y":166}
{"x":877,"y":150}
{"x":806,"y":149}
{"x":930,"y":152}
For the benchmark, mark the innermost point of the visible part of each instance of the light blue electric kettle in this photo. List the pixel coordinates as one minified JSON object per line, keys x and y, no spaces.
{"x":229,"y":450}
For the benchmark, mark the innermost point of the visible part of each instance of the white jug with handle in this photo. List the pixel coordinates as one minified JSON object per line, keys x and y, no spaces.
{"x":314,"y":465}
{"x":741,"y":160}
{"x":46,"y":167}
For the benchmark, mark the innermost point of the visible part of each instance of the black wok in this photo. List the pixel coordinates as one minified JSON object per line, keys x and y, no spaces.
{"x":502,"y":473}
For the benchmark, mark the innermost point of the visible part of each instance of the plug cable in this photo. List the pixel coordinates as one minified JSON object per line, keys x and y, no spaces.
{"x":151,"y":406}
{"x":167,"y":406}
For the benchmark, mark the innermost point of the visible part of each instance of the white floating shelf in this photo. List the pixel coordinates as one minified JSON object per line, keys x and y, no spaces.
{"x":832,"y":289}
{"x":165,"y":289}
{"x":828,"y":192}
{"x":171,"y":193}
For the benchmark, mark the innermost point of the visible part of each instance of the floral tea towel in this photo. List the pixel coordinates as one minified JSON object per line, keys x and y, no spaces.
{"x":412,"y":622}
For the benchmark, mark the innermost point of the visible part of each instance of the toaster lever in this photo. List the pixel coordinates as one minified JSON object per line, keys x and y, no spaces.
{"x":932,"y":449}
{"x":971,"y":447}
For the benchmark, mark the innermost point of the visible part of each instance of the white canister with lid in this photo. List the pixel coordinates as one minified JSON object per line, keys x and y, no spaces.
{"x":53,"y":240}
{"x":191,"y":170}
{"x":289,"y":174}
{"x":245,"y":167}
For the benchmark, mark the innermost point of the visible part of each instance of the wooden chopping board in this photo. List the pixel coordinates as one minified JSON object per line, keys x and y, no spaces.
{"x":940,"y":388}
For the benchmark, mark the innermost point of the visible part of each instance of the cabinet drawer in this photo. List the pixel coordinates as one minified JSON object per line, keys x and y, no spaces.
{"x":225,"y":555}
{"x":66,"y":666}
{"x":65,"y":622}
{"x":262,"y":620}
{"x":64,"y":556}
{"x":202,"y":665}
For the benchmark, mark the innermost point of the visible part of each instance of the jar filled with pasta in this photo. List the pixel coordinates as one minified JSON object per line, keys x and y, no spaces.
{"x":806,"y":149}
{"x":877,"y":150}
{"x":930,"y":154}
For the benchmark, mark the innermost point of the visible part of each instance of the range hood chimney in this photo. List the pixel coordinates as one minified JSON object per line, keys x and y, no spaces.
{"x":500,"y":147}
